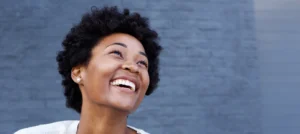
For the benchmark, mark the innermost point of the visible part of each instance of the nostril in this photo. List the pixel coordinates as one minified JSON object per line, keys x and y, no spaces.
{"x":126,"y":68}
{"x":131,"y":68}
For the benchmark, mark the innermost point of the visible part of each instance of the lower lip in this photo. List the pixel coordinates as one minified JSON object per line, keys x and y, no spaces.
{"x":123,"y":89}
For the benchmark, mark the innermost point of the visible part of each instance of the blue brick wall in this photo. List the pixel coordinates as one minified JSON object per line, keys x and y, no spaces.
{"x":208,"y":67}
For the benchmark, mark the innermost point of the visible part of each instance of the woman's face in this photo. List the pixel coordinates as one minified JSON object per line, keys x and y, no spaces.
{"x":117,"y":74}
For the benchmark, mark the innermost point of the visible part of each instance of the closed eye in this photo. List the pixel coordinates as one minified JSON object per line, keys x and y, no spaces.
{"x":116,"y":52}
{"x":143,"y":63}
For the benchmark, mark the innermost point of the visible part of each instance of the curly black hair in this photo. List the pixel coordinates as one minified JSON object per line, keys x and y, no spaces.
{"x":94,"y":26}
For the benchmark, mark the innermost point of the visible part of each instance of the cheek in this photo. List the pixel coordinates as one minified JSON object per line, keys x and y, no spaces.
{"x":97,"y":79}
{"x":100,"y":73}
{"x":105,"y":68}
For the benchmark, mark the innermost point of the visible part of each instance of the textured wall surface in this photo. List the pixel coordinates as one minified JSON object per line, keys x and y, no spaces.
{"x":278,"y":33}
{"x":209,"y":73}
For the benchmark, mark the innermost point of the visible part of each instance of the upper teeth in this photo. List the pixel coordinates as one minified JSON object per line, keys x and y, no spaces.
{"x":124,"y":82}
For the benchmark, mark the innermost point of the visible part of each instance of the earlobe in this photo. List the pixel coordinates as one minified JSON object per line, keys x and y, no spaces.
{"x":76,"y":74}
{"x":78,"y":79}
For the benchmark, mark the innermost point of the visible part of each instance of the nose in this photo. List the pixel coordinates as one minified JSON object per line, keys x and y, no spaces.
{"x":129,"y":66}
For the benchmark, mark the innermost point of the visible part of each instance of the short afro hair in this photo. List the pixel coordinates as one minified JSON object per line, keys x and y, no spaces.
{"x":94,"y":26}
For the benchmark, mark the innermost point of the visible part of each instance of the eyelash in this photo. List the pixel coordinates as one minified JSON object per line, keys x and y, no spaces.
{"x":117,"y":52}
{"x":144,"y":63}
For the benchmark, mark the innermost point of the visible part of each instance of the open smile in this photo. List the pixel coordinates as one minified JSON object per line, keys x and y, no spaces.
{"x":127,"y":84}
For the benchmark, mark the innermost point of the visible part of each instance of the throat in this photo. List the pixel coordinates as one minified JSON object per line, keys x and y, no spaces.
{"x":104,"y":125}
{"x":101,"y":119}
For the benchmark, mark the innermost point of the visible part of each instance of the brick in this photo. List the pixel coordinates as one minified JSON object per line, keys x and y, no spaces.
{"x":40,"y":94}
{"x":56,"y":103}
{"x":179,"y":5}
{"x":195,"y":24}
{"x":180,"y":15}
{"x":19,"y":105}
{"x":161,"y":24}
{"x":180,"y":34}
{"x":17,"y":94}
{"x":141,"y":4}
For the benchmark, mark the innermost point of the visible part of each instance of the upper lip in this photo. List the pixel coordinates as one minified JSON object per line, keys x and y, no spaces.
{"x":131,"y":79}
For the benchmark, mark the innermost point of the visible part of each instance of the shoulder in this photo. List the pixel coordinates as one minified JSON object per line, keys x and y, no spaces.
{"x":139,"y":131}
{"x":55,"y":127}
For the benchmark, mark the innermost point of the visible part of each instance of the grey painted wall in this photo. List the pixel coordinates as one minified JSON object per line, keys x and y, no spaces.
{"x":278,"y":37}
{"x":209,"y":72}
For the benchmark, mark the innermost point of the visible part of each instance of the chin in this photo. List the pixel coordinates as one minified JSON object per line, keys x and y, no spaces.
{"x":126,"y":107}
{"x":124,"y":102}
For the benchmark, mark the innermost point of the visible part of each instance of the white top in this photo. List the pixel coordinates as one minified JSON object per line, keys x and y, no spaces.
{"x":60,"y":127}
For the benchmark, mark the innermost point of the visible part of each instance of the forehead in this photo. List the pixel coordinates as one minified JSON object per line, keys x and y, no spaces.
{"x":131,"y":42}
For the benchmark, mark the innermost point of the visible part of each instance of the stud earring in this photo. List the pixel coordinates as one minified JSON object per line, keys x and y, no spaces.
{"x":78,"y":79}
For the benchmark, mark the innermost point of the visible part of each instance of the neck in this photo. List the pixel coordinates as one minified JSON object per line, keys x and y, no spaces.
{"x":95,"y":119}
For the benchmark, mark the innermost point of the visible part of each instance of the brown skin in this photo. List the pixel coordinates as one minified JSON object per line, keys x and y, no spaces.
{"x":105,"y":108}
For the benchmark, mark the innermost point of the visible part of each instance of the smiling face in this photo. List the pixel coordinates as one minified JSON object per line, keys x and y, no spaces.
{"x":117,"y":73}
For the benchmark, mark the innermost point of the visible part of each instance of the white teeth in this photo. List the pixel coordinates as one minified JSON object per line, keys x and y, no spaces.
{"x":127,"y":83}
{"x":124,"y":82}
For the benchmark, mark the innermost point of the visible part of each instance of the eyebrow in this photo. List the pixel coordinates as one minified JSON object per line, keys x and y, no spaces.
{"x":123,"y":45}
{"x":120,"y":44}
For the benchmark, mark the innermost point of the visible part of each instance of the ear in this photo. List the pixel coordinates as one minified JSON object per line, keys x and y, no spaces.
{"x":76,"y":74}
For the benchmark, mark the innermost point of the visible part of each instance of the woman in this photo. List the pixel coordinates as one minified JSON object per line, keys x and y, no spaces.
{"x":109,"y":62}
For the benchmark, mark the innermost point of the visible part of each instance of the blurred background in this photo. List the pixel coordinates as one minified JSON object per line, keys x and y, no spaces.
{"x":228,"y":66}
